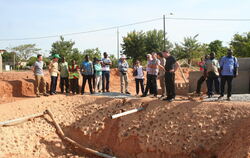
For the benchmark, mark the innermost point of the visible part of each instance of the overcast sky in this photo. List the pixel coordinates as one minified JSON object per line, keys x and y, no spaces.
{"x":36,"y":18}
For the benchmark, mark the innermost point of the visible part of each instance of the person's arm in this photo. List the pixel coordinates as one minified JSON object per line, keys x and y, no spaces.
{"x":236,"y":66}
{"x":33,"y":67}
{"x":176,"y":67}
{"x":81,"y":69}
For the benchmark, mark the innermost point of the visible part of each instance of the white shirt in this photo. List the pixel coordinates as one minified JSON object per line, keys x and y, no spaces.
{"x":139,"y":72}
{"x":106,"y":67}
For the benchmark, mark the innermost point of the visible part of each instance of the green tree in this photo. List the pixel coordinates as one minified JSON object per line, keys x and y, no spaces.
{"x":134,"y":45}
{"x":155,"y":41}
{"x":9,"y":57}
{"x":26,"y":50}
{"x":63,"y":48}
{"x":241,"y":44}
{"x":217,"y":47}
{"x":31,"y":61}
{"x":92,"y":53}
{"x":75,"y":55}
{"x":189,"y":49}
{"x":137,"y":44}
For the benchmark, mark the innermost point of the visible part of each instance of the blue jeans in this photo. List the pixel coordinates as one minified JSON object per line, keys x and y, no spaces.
{"x":105,"y":80}
{"x":53,"y":84}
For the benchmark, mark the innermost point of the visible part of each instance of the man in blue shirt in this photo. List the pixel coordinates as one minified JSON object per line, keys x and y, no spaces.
{"x":87,"y":74}
{"x":229,"y":69}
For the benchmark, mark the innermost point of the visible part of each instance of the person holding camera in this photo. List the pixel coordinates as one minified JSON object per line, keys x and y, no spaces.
{"x":123,"y":69}
{"x":229,"y":69}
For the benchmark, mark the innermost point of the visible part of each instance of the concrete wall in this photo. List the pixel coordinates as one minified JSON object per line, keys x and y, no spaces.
{"x":244,"y":64}
{"x":241,"y":84}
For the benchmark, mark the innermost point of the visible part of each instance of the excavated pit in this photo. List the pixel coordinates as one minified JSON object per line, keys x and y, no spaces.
{"x":179,"y":130}
{"x":182,"y":129}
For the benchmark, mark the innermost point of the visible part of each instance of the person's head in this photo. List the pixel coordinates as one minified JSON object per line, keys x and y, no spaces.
{"x":105,"y":54}
{"x":212,"y":55}
{"x":39,"y":57}
{"x":166,"y":53}
{"x":56,"y":57}
{"x":149,"y":57}
{"x":137,"y":63}
{"x":95,"y":60}
{"x":98,"y":61}
{"x":159,"y":55}
{"x":123,"y":57}
{"x":154,"y":55}
{"x":73,"y":62}
{"x":86,"y":57}
{"x":229,"y":52}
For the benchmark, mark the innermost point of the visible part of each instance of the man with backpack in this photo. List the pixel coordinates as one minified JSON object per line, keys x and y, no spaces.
{"x":229,"y":69}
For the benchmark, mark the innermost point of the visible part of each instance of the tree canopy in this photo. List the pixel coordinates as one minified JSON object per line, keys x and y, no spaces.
{"x":25,"y":51}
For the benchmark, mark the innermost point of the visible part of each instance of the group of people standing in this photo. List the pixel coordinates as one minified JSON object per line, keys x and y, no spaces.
{"x":160,"y":66}
{"x":217,"y":73}
{"x":97,"y":73}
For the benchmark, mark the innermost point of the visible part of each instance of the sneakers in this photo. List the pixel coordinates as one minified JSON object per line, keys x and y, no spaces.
{"x":168,"y":99}
{"x":38,"y":96}
{"x":128,"y":92}
{"x":45,"y":94}
{"x":229,"y":98}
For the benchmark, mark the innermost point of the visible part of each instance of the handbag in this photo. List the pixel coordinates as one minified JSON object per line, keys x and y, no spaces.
{"x":135,"y":73}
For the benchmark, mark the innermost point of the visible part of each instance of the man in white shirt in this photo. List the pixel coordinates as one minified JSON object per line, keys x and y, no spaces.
{"x":106,"y":63}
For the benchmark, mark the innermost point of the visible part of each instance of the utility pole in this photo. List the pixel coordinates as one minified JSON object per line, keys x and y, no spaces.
{"x":164,"y":30}
{"x":118,"y":43}
{"x":14,"y":61}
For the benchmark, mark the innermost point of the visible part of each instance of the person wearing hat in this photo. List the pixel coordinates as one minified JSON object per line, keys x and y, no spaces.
{"x":152,"y":72}
{"x":98,"y":75}
{"x":64,"y":75}
{"x":123,"y":69}
{"x":54,"y":73}
{"x":229,"y":69}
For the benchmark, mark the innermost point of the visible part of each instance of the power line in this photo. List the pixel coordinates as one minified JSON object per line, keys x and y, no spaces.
{"x":85,"y":32}
{"x":120,"y":26}
{"x":204,"y":19}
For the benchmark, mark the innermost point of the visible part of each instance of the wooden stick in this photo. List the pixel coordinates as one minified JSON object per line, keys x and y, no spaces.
{"x":183,"y":76}
{"x":62,"y":135}
{"x":127,"y":112}
{"x":20,"y":120}
{"x":58,"y":128}
{"x":87,"y":149}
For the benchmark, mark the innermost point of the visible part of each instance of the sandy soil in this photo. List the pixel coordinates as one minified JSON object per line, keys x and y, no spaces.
{"x":181,"y":129}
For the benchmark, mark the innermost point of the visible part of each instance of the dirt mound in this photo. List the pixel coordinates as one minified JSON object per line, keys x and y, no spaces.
{"x":179,"y":129}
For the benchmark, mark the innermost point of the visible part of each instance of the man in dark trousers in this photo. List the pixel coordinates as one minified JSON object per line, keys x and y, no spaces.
{"x":229,"y":69}
{"x":106,"y":63}
{"x":211,"y":71}
{"x":170,"y":68}
{"x":202,"y":78}
{"x":87,"y":74}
